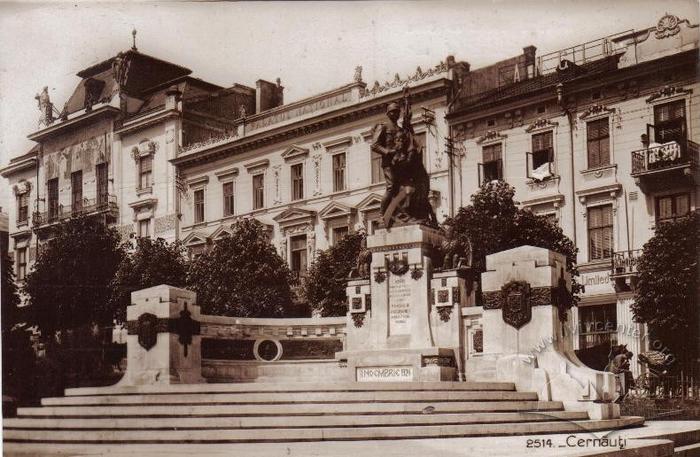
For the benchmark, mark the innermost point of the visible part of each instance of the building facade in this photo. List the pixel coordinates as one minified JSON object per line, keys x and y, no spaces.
{"x":600,"y":137}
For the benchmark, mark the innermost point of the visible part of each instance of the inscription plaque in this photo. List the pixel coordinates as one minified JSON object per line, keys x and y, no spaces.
{"x":399,"y":305}
{"x":384,"y":374}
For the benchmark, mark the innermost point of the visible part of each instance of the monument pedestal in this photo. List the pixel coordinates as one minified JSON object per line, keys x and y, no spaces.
{"x":163,"y":341}
{"x":526,"y":336}
{"x":393,"y":339}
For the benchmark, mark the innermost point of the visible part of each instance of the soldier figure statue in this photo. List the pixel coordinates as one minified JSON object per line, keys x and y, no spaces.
{"x":407,"y":181}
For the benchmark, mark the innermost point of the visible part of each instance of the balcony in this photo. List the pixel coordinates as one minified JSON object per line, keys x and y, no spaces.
{"x":624,"y":269}
{"x":103,"y":205}
{"x":665,"y":166}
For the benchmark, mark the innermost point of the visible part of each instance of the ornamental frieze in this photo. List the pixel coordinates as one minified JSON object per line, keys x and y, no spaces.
{"x":541,"y":123}
{"x":668,"y":91}
{"x":441,"y":361}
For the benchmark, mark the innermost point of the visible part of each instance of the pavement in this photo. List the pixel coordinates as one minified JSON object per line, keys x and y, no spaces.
{"x":654,"y":439}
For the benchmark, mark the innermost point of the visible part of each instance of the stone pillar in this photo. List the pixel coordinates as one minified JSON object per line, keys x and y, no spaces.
{"x":163,"y":341}
{"x":528,"y":339}
{"x":395,"y":341}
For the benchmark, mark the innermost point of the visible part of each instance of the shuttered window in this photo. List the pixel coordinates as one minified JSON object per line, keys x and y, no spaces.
{"x":669,"y":122}
{"x":598,"y":136}
{"x":258,"y":191}
{"x":600,"y":232}
{"x":228,"y":198}
{"x":670,"y":207}
{"x":542,"y":149}
{"x":297,"y":181}
{"x":198,"y":206}
{"x":339,"y":172}
{"x":145,"y":171}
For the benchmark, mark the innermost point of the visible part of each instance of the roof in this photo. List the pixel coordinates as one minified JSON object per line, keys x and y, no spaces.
{"x":133,"y":54}
{"x":535,"y":84}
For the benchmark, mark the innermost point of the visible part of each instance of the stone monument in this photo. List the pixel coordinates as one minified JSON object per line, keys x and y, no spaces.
{"x":394,"y":331}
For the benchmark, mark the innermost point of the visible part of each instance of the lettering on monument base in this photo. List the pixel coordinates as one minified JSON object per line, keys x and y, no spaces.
{"x":384,"y":374}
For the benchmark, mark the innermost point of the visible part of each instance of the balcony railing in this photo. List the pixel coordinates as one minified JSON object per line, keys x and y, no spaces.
{"x":624,"y":263}
{"x":88,"y":206}
{"x":664,"y":156}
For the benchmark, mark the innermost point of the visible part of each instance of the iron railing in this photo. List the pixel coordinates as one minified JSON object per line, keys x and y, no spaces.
{"x":667,"y":155}
{"x":56,"y":212}
{"x":624,"y":263}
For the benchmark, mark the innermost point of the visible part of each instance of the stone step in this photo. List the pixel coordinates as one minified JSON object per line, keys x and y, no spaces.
{"x":313,"y":434}
{"x":181,"y":423}
{"x":290,"y":387}
{"x":291,"y":408}
{"x":291,"y":397}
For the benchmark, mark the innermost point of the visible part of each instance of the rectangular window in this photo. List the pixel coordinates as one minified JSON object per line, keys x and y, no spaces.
{"x":258,"y":191}
{"x":228,"y":199}
{"x":339,"y":172}
{"x":101,"y":174}
{"x":298,"y":253}
{"x":23,"y":207}
{"x":76,"y":185}
{"x":669,"y":122}
{"x":492,"y":166}
{"x":145,"y":171}
{"x":145,"y":228}
{"x":598,"y":139}
{"x":672,"y":207}
{"x":297,"y":181}
{"x":53,"y":199}
{"x":198,"y":206}
{"x":597,"y":325}
{"x":377,"y":172}
{"x":542,"y":150}
{"x":600,"y":232}
{"x":419,"y":138}
{"x":21,"y":263}
{"x":339,"y":233}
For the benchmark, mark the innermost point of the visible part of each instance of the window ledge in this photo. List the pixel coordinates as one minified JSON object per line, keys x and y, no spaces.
{"x":144,"y":191}
{"x":595,"y":265}
{"x":23,"y":223}
{"x":598,"y":171}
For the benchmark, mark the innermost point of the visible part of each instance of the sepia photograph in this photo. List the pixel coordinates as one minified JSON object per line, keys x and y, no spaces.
{"x":341,"y":228}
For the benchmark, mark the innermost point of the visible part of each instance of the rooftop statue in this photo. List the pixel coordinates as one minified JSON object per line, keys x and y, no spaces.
{"x":407,"y":182}
{"x":45,"y":107}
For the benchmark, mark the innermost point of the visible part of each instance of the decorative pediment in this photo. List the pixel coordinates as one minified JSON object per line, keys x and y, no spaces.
{"x":595,"y":111}
{"x":668,"y":92}
{"x":369,"y":203}
{"x":257,"y":165}
{"x":293,"y":152}
{"x":195,"y":239}
{"x":541,"y":124}
{"x":145,"y":203}
{"x":295,"y":216}
{"x":491,"y":136}
{"x":22,"y":187}
{"x":227,"y":173}
{"x":335,"y":210}
{"x":338,"y":143}
{"x":198,"y":181}
{"x":144,"y":148}
{"x":222,"y":232}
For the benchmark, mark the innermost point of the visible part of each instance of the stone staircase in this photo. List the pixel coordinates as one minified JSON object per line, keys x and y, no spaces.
{"x":280,"y":412}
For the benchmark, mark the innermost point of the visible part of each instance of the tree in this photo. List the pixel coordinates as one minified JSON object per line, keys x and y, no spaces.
{"x":242,"y":276}
{"x":494,"y":223}
{"x":17,"y":352}
{"x":69,"y":286}
{"x":152,"y":263}
{"x":325,"y":284}
{"x":68,"y":301}
{"x":666,"y":296}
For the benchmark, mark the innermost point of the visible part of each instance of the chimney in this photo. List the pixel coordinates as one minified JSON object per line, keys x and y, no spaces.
{"x":530,"y":57}
{"x":268,"y":95}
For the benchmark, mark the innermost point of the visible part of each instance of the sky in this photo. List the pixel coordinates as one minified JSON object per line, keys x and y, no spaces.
{"x":312,"y":46}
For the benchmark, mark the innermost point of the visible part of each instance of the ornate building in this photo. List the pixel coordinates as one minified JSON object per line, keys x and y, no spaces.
{"x":600,"y":137}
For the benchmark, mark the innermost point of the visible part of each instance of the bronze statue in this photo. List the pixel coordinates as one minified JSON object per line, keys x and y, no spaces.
{"x":45,"y":107}
{"x":407,"y":181}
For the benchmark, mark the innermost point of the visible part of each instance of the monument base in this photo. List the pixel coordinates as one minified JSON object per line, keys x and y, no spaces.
{"x":400,"y":365}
